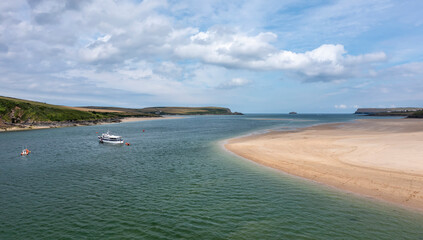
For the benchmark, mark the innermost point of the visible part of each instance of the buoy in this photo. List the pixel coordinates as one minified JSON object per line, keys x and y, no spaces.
{"x":96,"y":132}
{"x":143,"y":130}
{"x":127,"y":144}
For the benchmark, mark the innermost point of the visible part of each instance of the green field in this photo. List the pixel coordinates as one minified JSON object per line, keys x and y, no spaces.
{"x":188,"y":110}
{"x":13,"y":110}
{"x":171,"y":110}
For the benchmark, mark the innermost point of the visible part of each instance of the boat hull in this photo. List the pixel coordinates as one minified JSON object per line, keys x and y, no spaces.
{"x":112,"y":142}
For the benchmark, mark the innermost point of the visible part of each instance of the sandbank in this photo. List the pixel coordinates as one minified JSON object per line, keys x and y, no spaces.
{"x":136,"y":119}
{"x":378,"y":158}
{"x":13,"y":129}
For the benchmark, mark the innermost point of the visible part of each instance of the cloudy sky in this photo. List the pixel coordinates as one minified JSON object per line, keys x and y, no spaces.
{"x":252,"y":56}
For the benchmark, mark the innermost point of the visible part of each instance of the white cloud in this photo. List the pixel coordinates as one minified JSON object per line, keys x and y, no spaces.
{"x":408,"y":70}
{"x":341,"y":106}
{"x":98,"y":50}
{"x":137,"y":78}
{"x":236,"y":50}
{"x":97,"y":33}
{"x":344,"y":106}
{"x":384,"y":90}
{"x":234,"y":83}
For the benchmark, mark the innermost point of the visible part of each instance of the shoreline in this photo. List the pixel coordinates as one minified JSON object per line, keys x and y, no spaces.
{"x":377,"y":158}
{"x":76,"y":124}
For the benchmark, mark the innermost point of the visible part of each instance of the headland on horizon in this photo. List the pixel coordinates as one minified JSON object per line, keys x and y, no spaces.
{"x":409,"y":112}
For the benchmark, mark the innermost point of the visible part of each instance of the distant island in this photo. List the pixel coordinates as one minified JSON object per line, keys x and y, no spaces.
{"x":292,"y":112}
{"x":409,"y":112}
{"x":17,"y":114}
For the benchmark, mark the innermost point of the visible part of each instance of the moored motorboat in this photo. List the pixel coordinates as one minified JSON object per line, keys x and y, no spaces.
{"x":108,"y":138}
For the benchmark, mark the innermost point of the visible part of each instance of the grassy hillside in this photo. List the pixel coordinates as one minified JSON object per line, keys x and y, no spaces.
{"x":13,"y":110}
{"x":19,"y":111}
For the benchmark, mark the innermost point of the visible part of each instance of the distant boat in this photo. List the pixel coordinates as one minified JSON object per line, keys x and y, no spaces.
{"x":292,"y":112}
{"x":108,"y":138}
{"x":25,"y":152}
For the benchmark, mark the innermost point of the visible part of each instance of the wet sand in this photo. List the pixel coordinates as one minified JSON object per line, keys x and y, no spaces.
{"x":13,"y":129}
{"x":381,"y":158}
{"x":136,"y":119}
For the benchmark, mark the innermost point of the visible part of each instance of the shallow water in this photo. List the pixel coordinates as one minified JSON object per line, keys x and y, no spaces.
{"x":176,"y":182}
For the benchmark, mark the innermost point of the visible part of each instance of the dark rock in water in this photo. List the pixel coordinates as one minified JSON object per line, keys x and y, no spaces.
{"x":292,"y":112}
{"x":418,"y":114}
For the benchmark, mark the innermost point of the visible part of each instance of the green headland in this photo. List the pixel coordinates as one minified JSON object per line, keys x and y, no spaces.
{"x":409,"y":112}
{"x":22,"y":113}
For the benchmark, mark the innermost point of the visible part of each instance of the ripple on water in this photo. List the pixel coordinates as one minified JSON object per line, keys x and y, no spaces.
{"x":174,"y":181}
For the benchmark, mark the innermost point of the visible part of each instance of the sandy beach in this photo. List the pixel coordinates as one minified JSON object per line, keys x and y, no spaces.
{"x":381,"y":158}
{"x":136,"y":119}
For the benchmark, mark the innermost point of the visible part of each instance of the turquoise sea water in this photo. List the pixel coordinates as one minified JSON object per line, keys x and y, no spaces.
{"x":176,"y":182}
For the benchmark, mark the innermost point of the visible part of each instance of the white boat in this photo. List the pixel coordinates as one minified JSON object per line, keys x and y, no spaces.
{"x":108,"y":138}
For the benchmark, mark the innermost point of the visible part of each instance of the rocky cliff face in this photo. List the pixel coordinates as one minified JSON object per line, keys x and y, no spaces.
{"x":16,"y":116}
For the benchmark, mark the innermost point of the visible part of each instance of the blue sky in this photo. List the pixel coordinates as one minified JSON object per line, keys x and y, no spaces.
{"x":250,"y":56}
